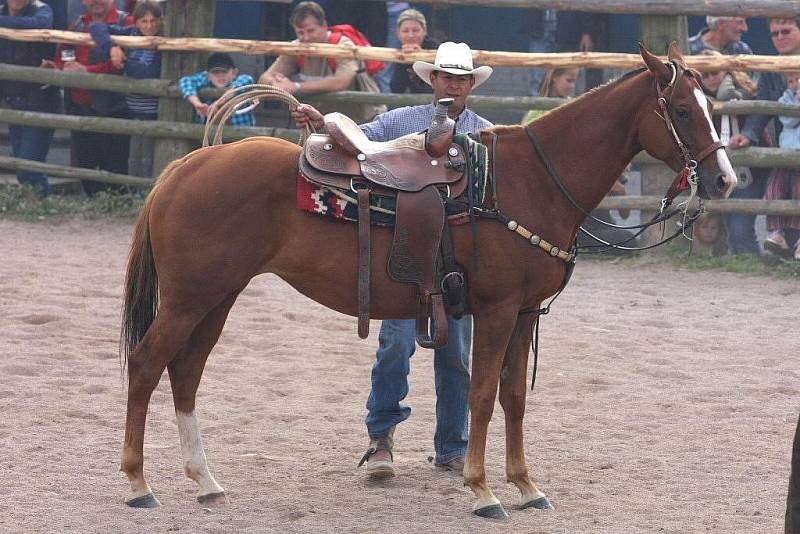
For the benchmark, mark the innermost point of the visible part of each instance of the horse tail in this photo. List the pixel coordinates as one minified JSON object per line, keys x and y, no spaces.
{"x":141,"y":287}
{"x":140,"y":303}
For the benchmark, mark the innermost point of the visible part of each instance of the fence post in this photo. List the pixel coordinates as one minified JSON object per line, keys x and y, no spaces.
{"x":184,"y":18}
{"x":657,"y":32}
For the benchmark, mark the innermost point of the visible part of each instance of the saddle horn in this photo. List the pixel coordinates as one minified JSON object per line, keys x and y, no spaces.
{"x":439,"y":136}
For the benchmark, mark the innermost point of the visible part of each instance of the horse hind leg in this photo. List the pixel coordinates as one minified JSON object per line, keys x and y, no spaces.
{"x":185,"y":372}
{"x":146,"y":364}
{"x":513,"y":390}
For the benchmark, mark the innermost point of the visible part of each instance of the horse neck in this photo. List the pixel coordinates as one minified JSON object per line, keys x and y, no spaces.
{"x":591,"y":140}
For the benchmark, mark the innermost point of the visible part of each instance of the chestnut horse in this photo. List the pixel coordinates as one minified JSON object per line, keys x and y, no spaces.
{"x":224,"y":214}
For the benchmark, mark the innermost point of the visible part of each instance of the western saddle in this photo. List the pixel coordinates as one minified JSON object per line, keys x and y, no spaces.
{"x":416,"y":169}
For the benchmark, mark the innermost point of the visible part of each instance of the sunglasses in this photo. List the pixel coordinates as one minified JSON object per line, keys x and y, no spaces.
{"x":783,"y":33}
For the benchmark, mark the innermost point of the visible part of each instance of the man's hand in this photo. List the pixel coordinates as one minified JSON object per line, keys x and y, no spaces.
{"x":47,"y":64}
{"x":74,"y":66}
{"x":305,"y":115}
{"x":738,"y":141}
{"x":117,"y":57}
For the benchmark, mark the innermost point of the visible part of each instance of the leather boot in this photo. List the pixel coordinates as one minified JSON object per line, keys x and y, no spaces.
{"x":379,"y":456}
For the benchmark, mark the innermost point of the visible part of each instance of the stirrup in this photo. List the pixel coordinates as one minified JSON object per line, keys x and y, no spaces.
{"x":438,"y":317}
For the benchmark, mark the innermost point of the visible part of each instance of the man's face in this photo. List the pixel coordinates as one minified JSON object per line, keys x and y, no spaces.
{"x":222,"y":77}
{"x":15,"y":6}
{"x":98,"y":7}
{"x":785,"y":37}
{"x":309,"y":30}
{"x":731,"y":30}
{"x":446,"y":85}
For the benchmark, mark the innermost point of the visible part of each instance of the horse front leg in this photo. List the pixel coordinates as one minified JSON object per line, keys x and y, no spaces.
{"x":185,"y":372}
{"x":489,"y":346}
{"x":513,"y":391}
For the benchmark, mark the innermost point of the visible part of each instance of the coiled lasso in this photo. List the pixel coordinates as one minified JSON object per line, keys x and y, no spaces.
{"x":229,"y":102}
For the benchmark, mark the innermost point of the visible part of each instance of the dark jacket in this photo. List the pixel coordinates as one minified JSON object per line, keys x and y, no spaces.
{"x":771,"y":86}
{"x":36,"y":15}
{"x":570,"y":26}
{"x":404,"y":79}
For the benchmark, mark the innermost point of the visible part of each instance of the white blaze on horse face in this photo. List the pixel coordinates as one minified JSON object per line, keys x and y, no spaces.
{"x":194,"y":457}
{"x":722,"y":156}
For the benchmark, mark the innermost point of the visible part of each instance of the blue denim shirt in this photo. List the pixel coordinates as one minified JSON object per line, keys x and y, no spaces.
{"x":407,"y":120}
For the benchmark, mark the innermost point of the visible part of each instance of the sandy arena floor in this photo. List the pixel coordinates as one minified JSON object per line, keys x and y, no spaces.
{"x":666,"y":401}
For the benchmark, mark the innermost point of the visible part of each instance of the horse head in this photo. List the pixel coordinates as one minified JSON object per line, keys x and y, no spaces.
{"x":679,"y":130}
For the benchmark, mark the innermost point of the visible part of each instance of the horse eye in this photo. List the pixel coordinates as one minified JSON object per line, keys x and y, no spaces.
{"x":682,"y":113}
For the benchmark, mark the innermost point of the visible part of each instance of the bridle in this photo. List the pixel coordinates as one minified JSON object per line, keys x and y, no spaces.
{"x":688,"y":176}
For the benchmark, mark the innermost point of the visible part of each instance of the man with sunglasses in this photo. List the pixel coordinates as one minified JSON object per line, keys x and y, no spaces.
{"x":785,"y":35}
{"x":723,"y":34}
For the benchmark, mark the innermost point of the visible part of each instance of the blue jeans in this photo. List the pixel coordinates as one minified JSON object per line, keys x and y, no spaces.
{"x":451,"y":371}
{"x":32,"y":143}
{"x":740,"y":226}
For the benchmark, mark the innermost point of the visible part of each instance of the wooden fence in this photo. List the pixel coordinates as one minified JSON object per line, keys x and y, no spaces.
{"x":599,"y":60}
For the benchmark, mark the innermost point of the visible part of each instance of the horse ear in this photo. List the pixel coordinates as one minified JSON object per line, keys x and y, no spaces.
{"x":655,"y":65}
{"x":676,"y":55}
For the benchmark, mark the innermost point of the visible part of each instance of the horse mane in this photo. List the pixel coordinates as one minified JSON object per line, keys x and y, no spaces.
{"x":502,"y":129}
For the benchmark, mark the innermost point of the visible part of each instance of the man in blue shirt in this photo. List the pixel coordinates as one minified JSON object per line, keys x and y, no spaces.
{"x":28,"y":142}
{"x":451,"y":76}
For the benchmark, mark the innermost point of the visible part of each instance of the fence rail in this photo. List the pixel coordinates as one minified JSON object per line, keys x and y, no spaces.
{"x":753,"y":207}
{"x":167,"y":88}
{"x":734,"y":8}
{"x":497,"y":59}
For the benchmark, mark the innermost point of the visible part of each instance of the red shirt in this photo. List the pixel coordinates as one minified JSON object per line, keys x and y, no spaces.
{"x":83,"y":97}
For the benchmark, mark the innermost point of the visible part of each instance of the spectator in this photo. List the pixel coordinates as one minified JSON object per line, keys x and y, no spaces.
{"x":725,"y":86}
{"x":139,"y":63}
{"x":557,"y":83}
{"x":723,"y":34}
{"x":582,"y":32}
{"x":785,"y":184}
{"x":92,"y":150}
{"x":785,"y":35}
{"x":221,"y":72}
{"x":541,"y":26}
{"x":412,"y":31}
{"x":317,"y":74}
{"x":393,"y":10}
{"x":28,"y":142}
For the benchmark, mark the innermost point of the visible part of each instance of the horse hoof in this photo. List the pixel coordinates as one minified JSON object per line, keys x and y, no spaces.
{"x":540,"y":504}
{"x":493,"y":511}
{"x":213,"y":499}
{"x":145,"y":501}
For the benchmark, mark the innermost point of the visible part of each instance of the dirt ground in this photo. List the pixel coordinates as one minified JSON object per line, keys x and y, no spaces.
{"x":666,"y":401}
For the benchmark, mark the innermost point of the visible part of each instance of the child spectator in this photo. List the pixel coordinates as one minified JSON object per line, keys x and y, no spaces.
{"x":221,"y":72}
{"x":785,"y":183}
{"x":139,"y":63}
{"x":557,"y":83}
{"x":412,"y":31}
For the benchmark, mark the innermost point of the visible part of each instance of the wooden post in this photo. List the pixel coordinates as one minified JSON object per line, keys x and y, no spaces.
{"x":184,"y":18}
{"x":657,"y":32}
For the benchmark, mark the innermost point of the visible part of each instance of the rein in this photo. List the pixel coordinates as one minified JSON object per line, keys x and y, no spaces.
{"x":686,"y":179}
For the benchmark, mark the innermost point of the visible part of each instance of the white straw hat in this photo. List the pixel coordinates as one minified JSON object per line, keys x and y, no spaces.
{"x":455,"y":58}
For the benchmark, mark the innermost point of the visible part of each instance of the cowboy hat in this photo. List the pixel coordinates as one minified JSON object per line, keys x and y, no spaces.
{"x":455,"y":58}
